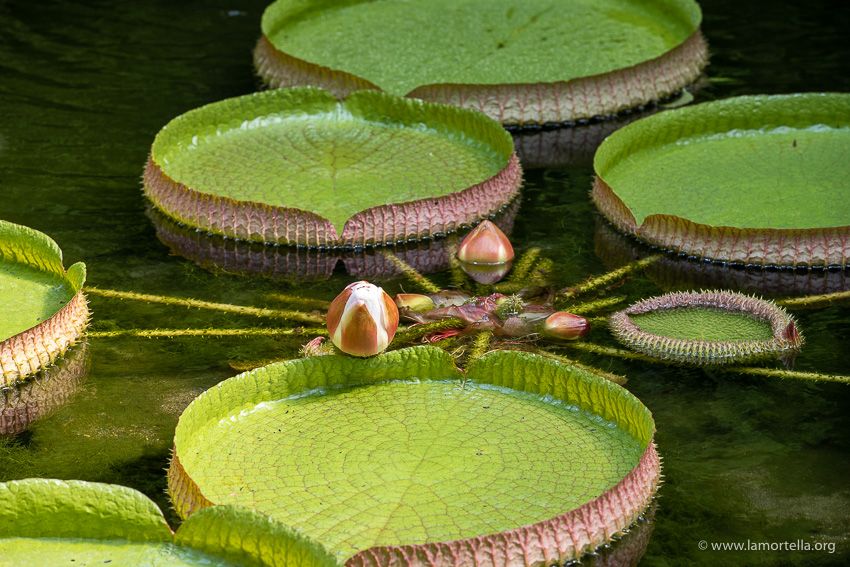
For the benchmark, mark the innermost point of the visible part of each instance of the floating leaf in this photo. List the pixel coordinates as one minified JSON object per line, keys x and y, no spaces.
{"x":42,"y":308}
{"x":711,"y":327}
{"x":296,"y":166}
{"x":54,"y":522}
{"x":520,"y":62}
{"x":751,"y":180}
{"x":398,"y":456}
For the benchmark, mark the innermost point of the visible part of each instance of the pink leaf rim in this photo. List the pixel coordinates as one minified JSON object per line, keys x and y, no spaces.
{"x":786,"y":340}
{"x":796,"y":247}
{"x":218,"y":254}
{"x":40,"y":346}
{"x":526,"y":104}
{"x":38,"y":397}
{"x":381,"y":225}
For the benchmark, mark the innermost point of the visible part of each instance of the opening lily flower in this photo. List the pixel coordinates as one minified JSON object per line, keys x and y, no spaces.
{"x":362,"y":320}
{"x":486,"y":244}
{"x":564,"y":325}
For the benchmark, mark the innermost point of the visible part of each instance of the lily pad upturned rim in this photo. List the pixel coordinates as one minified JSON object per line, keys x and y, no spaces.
{"x":790,"y":247}
{"x":34,"y":349}
{"x":566,"y":536}
{"x":40,"y":508}
{"x":384,"y":224}
{"x":786,"y":339}
{"x":519,"y":104}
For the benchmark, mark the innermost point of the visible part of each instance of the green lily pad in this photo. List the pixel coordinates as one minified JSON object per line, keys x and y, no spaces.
{"x":529,"y":61}
{"x":297,"y":166}
{"x":709,"y":327}
{"x":754,"y":180}
{"x":42,"y":308}
{"x":401,"y":450}
{"x":52,"y":522}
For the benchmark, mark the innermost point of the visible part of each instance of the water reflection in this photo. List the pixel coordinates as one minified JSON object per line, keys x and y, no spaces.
{"x":37,"y":397}
{"x":676,"y":273}
{"x":626,"y":550}
{"x":570,"y":146}
{"x":218,"y":254}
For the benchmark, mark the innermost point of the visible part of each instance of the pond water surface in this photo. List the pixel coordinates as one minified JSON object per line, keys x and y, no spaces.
{"x":85,"y":86}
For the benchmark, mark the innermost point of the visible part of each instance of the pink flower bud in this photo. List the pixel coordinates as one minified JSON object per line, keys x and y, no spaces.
{"x":362,"y":320}
{"x":486,"y":244}
{"x":563,"y":325}
{"x":415,"y":302}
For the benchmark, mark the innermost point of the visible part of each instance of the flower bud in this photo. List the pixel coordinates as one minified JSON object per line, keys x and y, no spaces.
{"x":415,"y":302}
{"x":563,"y":325}
{"x":486,"y":244}
{"x":362,"y":320}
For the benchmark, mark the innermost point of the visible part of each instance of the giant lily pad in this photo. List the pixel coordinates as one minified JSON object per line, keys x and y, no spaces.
{"x":751,"y":180}
{"x":709,"y":327}
{"x":523,"y":461}
{"x":42,"y":307}
{"x":519,"y":61}
{"x":52,"y":522}
{"x":299,"y":167}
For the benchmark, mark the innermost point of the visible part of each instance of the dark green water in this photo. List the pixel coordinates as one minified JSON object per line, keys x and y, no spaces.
{"x":84,"y":87}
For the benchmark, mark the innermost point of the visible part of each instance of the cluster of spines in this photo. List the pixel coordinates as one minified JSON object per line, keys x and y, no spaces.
{"x":786,"y":336}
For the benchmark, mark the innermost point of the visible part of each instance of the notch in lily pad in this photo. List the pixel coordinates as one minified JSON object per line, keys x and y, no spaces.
{"x":707,"y":328}
{"x":299,"y":167}
{"x":522,"y":62}
{"x":55,"y":522}
{"x":43,"y":310}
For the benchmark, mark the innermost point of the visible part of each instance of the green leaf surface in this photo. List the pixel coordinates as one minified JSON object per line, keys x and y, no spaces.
{"x":301,"y":148}
{"x":748,"y":162}
{"x":33,"y":282}
{"x":51,"y":522}
{"x":43,"y":508}
{"x":400,"y":45}
{"x":703,"y":323}
{"x":398,"y":450}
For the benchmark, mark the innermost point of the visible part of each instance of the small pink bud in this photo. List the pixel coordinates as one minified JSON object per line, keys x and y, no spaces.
{"x":415,"y":302}
{"x":362,"y":320}
{"x":563,"y":325}
{"x":486,"y":244}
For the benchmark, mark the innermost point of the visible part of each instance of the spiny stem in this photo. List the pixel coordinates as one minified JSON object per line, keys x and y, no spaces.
{"x":616,"y":378}
{"x":480,"y":345}
{"x":418,"y":331}
{"x":597,"y":305}
{"x":305,"y":302}
{"x":411,"y":273}
{"x":458,"y":275}
{"x":609,"y":351}
{"x":753,"y":370}
{"x":245,"y":365}
{"x":606,"y":279}
{"x":200,"y":304}
{"x":780,"y":373}
{"x":814,"y":300}
{"x":247,"y":332}
{"x":522,"y":267}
